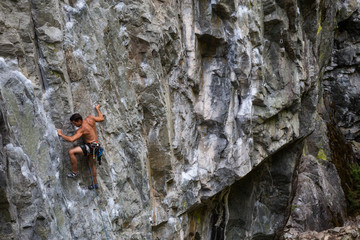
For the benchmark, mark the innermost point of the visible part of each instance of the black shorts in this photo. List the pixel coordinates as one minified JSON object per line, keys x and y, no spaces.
{"x":89,"y":148}
{"x":86,"y":148}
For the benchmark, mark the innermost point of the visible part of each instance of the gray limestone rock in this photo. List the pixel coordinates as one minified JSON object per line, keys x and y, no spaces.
{"x":215,"y":119}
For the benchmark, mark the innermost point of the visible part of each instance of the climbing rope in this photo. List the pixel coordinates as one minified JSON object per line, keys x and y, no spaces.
{"x":97,"y":199}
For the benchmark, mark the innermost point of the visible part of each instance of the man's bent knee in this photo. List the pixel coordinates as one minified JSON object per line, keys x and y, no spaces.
{"x":76,"y":150}
{"x":72,"y":151}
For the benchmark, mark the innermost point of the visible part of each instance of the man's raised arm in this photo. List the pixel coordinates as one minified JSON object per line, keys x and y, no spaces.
{"x":72,"y":138}
{"x":100,"y":116}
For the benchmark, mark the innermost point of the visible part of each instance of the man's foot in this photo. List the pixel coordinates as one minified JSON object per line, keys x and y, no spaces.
{"x":91,"y":186}
{"x":72,"y":175}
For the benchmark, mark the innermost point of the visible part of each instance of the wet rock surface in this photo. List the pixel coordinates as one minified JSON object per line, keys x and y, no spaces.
{"x":219,"y":117}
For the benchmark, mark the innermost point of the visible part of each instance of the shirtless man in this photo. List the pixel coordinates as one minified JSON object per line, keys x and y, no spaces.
{"x":87,"y":130}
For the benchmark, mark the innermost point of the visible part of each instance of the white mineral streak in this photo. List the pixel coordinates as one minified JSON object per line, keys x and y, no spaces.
{"x":189,"y":37}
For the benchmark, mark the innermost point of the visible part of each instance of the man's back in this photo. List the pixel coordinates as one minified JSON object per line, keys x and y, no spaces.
{"x":88,"y":129}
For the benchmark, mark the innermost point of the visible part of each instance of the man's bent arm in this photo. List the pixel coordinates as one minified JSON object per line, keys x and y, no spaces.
{"x":99,"y":118}
{"x":73,"y":138}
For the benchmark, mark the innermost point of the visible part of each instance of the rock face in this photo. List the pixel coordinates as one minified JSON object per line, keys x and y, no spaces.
{"x":223,"y":119}
{"x":341,"y":78}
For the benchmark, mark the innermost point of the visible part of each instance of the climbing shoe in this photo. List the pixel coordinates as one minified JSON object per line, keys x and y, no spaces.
{"x":72,"y":175}
{"x":91,"y":186}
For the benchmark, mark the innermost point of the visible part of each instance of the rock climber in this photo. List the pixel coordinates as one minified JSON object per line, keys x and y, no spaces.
{"x":87,"y":130}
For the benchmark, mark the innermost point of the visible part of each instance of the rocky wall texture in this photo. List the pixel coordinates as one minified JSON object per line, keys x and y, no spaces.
{"x":218,"y":122}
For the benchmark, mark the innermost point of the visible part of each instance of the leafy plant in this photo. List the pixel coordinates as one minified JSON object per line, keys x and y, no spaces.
{"x":353,"y":195}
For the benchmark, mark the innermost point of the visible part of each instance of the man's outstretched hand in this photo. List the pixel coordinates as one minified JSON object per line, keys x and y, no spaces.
{"x":59,"y":131}
{"x":99,"y":118}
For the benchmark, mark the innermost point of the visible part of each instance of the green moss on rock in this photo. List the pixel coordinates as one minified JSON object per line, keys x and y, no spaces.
{"x":321,"y":155}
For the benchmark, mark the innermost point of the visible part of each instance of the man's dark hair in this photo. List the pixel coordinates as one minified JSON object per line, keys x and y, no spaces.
{"x":76,"y":117}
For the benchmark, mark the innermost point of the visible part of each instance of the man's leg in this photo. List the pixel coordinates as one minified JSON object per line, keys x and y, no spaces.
{"x":93,"y":169}
{"x":72,"y":152}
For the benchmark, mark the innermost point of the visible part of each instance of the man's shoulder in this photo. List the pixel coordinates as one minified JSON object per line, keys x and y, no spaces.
{"x":89,"y":119}
{"x":80,"y":129}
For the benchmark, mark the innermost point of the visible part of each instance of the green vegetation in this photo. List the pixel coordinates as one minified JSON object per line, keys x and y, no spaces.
{"x":319,"y":28}
{"x":185,"y":204}
{"x":353,"y":195}
{"x":321,"y":155}
{"x":293,"y":207}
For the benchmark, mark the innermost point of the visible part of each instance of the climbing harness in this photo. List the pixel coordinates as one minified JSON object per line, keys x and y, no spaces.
{"x":95,"y":151}
{"x":97,"y":198}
